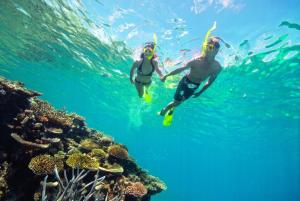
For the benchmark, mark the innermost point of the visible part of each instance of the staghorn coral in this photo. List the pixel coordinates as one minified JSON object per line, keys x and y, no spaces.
{"x":136,"y":189}
{"x":82,"y":161}
{"x":89,"y":144}
{"x":45,"y":164}
{"x":75,"y":189}
{"x":118,"y":151}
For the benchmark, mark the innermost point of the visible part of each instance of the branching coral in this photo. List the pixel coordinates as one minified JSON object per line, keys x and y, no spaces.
{"x":74,"y":188}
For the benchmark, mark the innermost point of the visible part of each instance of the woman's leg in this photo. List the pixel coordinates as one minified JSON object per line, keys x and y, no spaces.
{"x":140,"y":89}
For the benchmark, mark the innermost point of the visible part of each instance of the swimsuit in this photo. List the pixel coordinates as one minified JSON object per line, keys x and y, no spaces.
{"x":185,"y":89}
{"x":140,"y":72}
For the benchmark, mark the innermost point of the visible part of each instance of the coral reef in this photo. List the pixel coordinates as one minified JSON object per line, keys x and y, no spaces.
{"x":45,"y":164}
{"x":74,"y":189}
{"x":118,"y":151}
{"x":35,"y":138}
{"x":82,"y":161}
{"x":136,"y":189}
{"x":3,"y":183}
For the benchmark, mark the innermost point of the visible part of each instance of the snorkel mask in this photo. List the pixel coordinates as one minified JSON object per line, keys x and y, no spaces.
{"x":150,"y":47}
{"x":210,"y":43}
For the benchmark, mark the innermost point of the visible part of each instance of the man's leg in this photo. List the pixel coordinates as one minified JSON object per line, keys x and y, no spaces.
{"x":170,"y":106}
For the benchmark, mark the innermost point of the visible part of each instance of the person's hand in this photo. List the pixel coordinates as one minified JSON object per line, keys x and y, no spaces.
{"x":196,"y":94}
{"x":163,"y":78}
{"x":132,"y":81}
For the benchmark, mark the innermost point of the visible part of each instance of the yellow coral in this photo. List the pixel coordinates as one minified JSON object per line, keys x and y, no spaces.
{"x":45,"y":164}
{"x":118,"y":151}
{"x":88,"y":144}
{"x":111,"y":168}
{"x":98,"y":153}
{"x":37,"y":196}
{"x":82,"y":161}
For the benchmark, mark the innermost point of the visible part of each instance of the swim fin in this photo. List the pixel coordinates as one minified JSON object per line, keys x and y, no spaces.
{"x":168,"y":118}
{"x":147,"y":97}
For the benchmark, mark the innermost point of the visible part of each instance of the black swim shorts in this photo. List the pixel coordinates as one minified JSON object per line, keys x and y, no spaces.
{"x":185,"y":89}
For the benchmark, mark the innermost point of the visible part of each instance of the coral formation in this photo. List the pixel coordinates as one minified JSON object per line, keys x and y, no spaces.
{"x":118,"y":151}
{"x":74,"y":189}
{"x":112,"y":168}
{"x":98,"y":153}
{"x":82,"y":161}
{"x":88,"y":144}
{"x":45,"y":164}
{"x":36,"y":138}
{"x":3,"y":183}
{"x":136,"y":189}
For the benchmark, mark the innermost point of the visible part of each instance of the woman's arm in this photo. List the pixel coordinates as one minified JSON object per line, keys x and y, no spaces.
{"x":134,"y":66}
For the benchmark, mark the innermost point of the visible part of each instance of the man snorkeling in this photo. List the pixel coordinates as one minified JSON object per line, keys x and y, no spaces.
{"x":145,"y":68}
{"x":200,"y":69}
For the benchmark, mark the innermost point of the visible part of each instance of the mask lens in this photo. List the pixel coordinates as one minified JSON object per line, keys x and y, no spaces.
{"x":217,"y":45}
{"x":148,"y":50}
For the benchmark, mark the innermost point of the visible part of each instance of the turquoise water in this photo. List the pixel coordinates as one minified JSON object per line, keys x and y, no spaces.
{"x":237,"y":141}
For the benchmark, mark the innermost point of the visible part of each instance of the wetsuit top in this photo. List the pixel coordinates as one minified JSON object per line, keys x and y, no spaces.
{"x":140,"y":70}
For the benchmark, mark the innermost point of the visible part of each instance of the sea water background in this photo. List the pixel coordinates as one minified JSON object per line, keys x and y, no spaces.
{"x":238,"y":141}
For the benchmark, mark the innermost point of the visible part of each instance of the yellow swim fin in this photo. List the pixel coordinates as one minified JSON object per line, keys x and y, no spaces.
{"x":168,"y":118}
{"x":147,"y":96}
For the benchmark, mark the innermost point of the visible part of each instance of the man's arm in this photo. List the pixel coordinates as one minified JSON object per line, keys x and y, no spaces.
{"x":178,"y":70}
{"x":134,"y":66}
{"x":211,"y":79}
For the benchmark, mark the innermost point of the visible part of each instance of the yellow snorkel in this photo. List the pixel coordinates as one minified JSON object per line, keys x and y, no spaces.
{"x":154,"y":47}
{"x":204,"y":45}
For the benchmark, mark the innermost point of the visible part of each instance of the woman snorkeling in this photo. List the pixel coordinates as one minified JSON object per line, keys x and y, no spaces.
{"x":145,"y":68}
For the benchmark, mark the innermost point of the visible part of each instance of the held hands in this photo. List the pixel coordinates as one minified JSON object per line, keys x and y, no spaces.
{"x":132,"y":81}
{"x":163,"y":78}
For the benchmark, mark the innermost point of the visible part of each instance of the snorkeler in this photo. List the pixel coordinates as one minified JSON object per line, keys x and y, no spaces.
{"x":145,"y":68}
{"x":200,"y":69}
